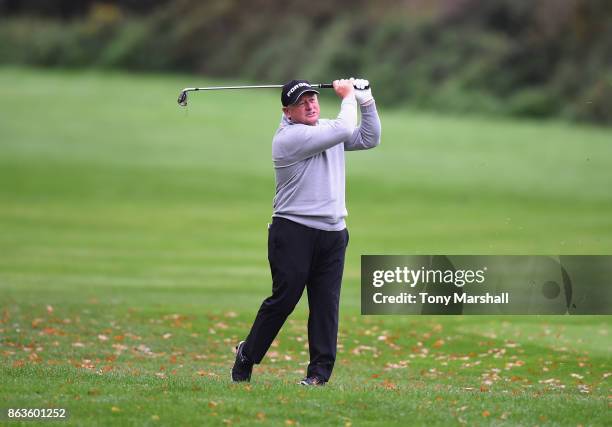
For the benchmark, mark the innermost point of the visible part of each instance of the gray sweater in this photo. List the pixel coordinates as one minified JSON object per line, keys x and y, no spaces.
{"x":309,"y":164}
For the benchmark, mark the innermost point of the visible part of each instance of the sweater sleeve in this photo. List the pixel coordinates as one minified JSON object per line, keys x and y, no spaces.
{"x":298,"y":141}
{"x":367,"y":135}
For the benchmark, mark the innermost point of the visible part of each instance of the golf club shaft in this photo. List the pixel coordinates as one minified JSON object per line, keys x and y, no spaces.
{"x":182,"y":99}
{"x":189,"y":89}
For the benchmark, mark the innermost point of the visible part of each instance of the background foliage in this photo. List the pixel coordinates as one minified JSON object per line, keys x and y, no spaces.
{"x":518,"y":57}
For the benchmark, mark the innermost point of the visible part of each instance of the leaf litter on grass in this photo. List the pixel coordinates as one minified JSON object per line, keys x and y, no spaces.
{"x":422,"y":360}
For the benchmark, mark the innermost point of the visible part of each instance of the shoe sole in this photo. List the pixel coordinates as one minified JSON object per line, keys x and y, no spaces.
{"x":237,"y":382}
{"x":305,"y":384}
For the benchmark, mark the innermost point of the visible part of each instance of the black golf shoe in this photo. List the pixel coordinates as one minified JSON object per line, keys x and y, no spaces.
{"x":243,"y":367}
{"x":313,"y":381}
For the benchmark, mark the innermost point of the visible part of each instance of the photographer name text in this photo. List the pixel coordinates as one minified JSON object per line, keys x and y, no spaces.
{"x":455,"y":298}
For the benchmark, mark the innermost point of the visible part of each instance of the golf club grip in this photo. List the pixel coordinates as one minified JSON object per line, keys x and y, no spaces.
{"x":331,"y":86}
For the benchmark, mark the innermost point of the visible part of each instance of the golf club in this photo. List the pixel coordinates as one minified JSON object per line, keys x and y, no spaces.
{"x":182,"y":99}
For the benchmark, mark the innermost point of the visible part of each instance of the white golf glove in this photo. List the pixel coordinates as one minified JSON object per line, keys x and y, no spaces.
{"x":363,"y":95}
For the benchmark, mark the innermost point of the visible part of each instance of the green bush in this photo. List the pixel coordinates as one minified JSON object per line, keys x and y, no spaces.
{"x":500,"y":57}
{"x":534,"y":102}
{"x":596,"y":104}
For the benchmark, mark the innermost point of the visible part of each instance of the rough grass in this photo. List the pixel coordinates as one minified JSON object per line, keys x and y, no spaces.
{"x":133,"y":236}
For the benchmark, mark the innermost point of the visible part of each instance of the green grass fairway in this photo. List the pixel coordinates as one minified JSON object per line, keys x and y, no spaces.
{"x":133,"y":258}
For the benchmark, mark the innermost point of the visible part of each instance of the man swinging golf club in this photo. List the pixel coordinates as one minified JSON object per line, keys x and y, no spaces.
{"x":307,"y":239}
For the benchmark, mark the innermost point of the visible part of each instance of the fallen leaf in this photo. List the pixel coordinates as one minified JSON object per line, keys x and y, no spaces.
{"x":144,"y":349}
{"x":439,"y":343}
{"x":87,"y":364}
{"x":120,"y":347}
{"x":389,"y":385}
{"x":584,"y":388}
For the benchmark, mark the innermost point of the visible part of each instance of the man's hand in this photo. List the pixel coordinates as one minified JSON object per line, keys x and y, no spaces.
{"x":363,"y":95}
{"x":344,"y":88}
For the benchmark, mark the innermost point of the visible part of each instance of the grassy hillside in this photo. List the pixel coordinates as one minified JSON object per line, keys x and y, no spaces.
{"x":133,"y":242}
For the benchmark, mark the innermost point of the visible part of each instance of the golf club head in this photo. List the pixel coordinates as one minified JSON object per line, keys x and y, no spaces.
{"x":182,"y":99}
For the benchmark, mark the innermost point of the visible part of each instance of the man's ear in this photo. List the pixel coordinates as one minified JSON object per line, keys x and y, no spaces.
{"x":286,"y":112}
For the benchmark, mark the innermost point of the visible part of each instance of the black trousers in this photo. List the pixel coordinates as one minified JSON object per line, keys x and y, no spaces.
{"x":302,"y":257}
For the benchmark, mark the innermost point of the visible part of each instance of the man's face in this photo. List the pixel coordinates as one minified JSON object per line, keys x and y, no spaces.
{"x":305,"y":111}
